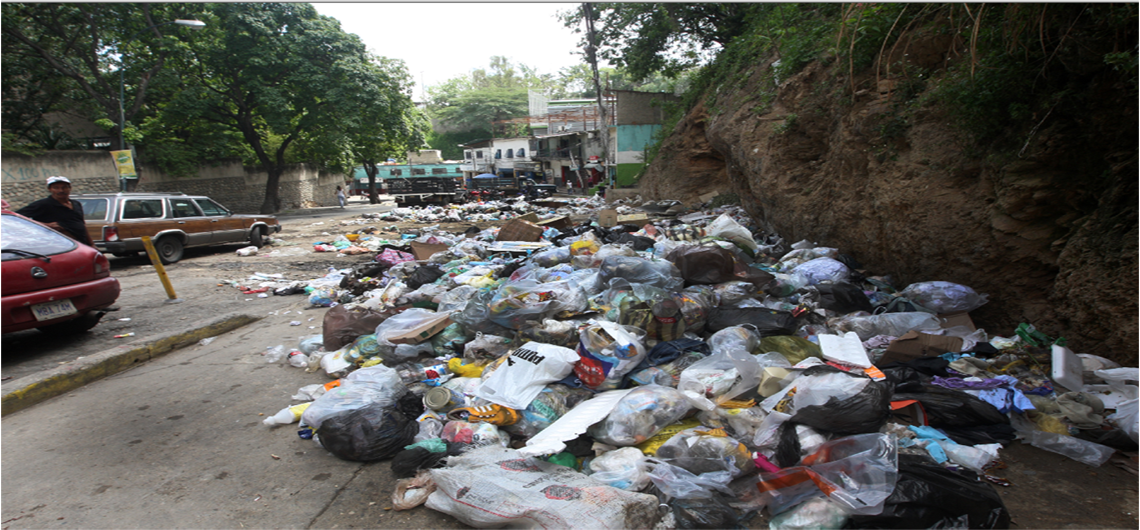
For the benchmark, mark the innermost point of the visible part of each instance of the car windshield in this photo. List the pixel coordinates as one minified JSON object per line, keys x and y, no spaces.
{"x":18,"y":236}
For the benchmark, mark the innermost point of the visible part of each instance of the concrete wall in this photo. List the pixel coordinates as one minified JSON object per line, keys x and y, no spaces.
{"x":638,"y":108}
{"x":239,"y":188}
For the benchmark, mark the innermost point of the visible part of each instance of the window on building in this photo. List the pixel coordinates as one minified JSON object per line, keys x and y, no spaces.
{"x":396,"y":172}
{"x":457,"y":170}
{"x":438,"y":170}
{"x":498,"y":154}
{"x":478,"y":154}
{"x":510,"y":153}
{"x":418,"y":171}
{"x":521,"y":153}
{"x":467,"y":155}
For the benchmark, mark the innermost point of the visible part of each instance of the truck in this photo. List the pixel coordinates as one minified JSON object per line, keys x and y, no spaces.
{"x":425,"y":190}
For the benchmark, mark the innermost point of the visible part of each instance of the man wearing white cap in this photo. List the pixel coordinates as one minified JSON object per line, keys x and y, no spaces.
{"x":58,"y":211}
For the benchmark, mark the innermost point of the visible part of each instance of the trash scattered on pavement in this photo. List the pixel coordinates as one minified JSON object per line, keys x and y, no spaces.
{"x":125,"y":335}
{"x":684,"y":369}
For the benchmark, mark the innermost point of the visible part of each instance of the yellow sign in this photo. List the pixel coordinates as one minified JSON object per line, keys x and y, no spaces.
{"x":125,"y":163}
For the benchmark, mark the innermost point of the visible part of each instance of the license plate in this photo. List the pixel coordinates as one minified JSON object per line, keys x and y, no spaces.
{"x":56,"y":309}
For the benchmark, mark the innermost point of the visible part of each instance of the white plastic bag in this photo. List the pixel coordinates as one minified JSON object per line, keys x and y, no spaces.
{"x":524,"y":374}
{"x":943,"y":297}
{"x":725,"y":227}
{"x":375,"y":386}
{"x":621,"y":468}
{"x":722,"y":376}
{"x":823,"y":269}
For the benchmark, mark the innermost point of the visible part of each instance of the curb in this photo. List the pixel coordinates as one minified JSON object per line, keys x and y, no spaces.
{"x":50,"y":383}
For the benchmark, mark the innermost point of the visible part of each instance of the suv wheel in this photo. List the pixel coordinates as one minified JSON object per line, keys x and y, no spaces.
{"x":169,"y":249}
{"x":257,"y":238}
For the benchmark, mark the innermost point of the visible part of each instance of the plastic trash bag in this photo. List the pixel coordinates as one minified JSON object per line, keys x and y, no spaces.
{"x":552,"y":257}
{"x":396,"y":325}
{"x":341,"y":326}
{"x":486,"y":347}
{"x":466,"y":436}
{"x":492,"y":487}
{"x":639,"y":415}
{"x":725,"y":227}
{"x":732,"y":293}
{"x":623,"y":468}
{"x":412,"y":492}
{"x":518,"y":302}
{"x":667,"y":374}
{"x":823,"y":269}
{"x":793,"y":348}
{"x":678,"y":483}
{"x":812,"y":514}
{"x":544,"y":410}
{"x":310,"y":344}
{"x":735,"y":337}
{"x":719,"y":378}
{"x":695,"y":305}
{"x":607,"y":352}
{"x":704,"y":264}
{"x":766,"y":321}
{"x":943,"y":297}
{"x":556,"y":332}
{"x":891,"y":324}
{"x":839,"y":402}
{"x":658,"y":273}
{"x":843,"y":298}
{"x":1083,"y":451}
{"x":927,"y":495}
{"x":366,"y":417}
{"x":698,"y":450}
{"x":857,"y":472}
{"x":525,"y":372}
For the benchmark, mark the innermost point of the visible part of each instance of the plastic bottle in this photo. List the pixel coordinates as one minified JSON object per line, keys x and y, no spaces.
{"x":286,"y":415}
{"x":415,"y":372}
{"x":275,"y":354}
{"x":298,"y":359}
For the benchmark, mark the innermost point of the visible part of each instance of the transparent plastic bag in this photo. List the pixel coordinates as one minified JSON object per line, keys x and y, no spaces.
{"x":310,"y":344}
{"x":518,"y":302}
{"x":639,"y":415}
{"x":721,"y":376}
{"x":623,"y":468}
{"x":635,"y":270}
{"x":607,"y":352}
{"x":678,"y":483}
{"x":733,"y":293}
{"x":943,"y":297}
{"x":857,"y":472}
{"x":697,"y":450}
{"x":735,"y":337}
{"x":823,"y":269}
{"x":486,"y":347}
{"x":818,"y":513}
{"x":891,"y":324}
{"x":375,"y":386}
{"x":725,"y":227}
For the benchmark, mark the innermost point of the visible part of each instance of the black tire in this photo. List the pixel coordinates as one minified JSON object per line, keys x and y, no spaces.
{"x":257,"y":237}
{"x":169,"y":249}
{"x":75,"y":325}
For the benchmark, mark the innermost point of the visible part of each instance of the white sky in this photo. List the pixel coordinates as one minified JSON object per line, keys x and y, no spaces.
{"x":439,"y":41}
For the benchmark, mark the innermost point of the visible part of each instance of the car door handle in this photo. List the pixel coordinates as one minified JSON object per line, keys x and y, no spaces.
{"x":213,"y":220}
{"x":181,"y":222}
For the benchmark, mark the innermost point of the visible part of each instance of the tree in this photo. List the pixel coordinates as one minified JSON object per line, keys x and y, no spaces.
{"x":473,"y":102}
{"x":665,"y":37}
{"x":70,"y":56}
{"x":285,"y":79}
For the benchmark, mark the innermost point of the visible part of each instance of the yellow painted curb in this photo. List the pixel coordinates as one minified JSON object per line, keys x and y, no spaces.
{"x":51,"y":383}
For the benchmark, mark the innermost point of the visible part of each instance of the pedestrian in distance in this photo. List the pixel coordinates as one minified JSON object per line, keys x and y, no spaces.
{"x":59,"y":212}
{"x":340,"y":196}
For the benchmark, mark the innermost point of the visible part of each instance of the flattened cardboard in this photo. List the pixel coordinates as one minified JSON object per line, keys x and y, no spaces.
{"x":558,"y":223}
{"x":913,"y":345}
{"x":532,"y":217}
{"x":424,"y":251}
{"x":607,"y":218}
{"x":424,"y":331}
{"x":519,"y":230}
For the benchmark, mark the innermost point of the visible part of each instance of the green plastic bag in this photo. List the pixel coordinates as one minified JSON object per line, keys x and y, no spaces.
{"x":793,"y":348}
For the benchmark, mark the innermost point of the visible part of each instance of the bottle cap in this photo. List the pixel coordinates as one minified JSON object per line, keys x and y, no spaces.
{"x":438,"y":398}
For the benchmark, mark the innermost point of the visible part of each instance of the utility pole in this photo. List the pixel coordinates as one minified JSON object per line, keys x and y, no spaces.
{"x":592,"y":58}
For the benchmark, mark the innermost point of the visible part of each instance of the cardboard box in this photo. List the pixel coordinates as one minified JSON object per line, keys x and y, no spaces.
{"x":424,"y":331}
{"x":961,"y":318}
{"x":423,"y":251}
{"x":560,"y":223}
{"x":519,"y":230}
{"x":913,"y":345}
{"x":607,"y":218}
{"x":772,"y":380}
{"x":610,"y":218}
{"x":532,"y":217}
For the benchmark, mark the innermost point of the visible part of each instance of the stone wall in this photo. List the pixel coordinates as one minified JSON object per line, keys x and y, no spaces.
{"x":241,"y":189}
{"x":25,"y":177}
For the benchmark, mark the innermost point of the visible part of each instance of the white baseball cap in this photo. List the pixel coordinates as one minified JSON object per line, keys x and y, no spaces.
{"x":53,"y":180}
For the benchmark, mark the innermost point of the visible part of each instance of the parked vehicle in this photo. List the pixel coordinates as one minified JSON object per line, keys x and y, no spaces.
{"x":425,"y":190}
{"x":50,"y":282}
{"x":116,"y":223}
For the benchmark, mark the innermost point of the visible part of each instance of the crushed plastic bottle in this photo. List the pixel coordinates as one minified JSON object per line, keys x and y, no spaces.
{"x":286,"y":415}
{"x":298,"y":359}
{"x":275,"y":354}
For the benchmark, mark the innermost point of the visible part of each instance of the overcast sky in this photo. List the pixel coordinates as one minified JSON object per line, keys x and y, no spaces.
{"x":439,"y":41}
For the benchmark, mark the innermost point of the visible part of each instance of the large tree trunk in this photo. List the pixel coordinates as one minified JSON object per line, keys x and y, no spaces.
{"x":371,"y":170}
{"x":272,"y":203}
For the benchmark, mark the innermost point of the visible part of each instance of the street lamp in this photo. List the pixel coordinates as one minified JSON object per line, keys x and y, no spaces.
{"x":192,"y":24}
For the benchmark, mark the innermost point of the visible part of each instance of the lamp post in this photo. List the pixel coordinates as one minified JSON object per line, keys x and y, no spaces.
{"x":192,"y":24}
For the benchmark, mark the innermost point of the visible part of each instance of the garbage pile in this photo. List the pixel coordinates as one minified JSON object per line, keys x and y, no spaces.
{"x":693,"y":366}
{"x":486,"y":211}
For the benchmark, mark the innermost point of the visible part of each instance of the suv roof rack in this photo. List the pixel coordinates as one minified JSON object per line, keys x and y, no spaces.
{"x":134,"y":193}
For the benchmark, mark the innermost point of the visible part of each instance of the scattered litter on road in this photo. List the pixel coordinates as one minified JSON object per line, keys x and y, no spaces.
{"x":125,"y":319}
{"x":648,"y":363}
{"x":206,"y":341}
{"x":125,"y":335}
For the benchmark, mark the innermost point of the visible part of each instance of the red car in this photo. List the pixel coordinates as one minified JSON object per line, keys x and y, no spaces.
{"x":50,"y":281}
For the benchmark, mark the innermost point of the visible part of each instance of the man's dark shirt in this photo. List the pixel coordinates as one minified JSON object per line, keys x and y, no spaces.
{"x":50,"y":210}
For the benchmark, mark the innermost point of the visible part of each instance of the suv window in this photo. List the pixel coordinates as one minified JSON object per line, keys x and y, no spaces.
{"x":210,"y":207}
{"x":142,"y":209}
{"x":93,"y":209}
{"x":183,"y":208}
{"x":22,"y":234}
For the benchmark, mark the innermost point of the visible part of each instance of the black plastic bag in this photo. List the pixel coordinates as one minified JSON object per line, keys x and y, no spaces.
{"x":928,"y":495}
{"x":637,"y":242}
{"x":843,"y":298}
{"x":964,"y":418}
{"x":372,"y":433}
{"x":766,"y":321}
{"x":341,"y":326}
{"x":424,"y":274}
{"x":864,"y":412}
{"x":407,"y":462}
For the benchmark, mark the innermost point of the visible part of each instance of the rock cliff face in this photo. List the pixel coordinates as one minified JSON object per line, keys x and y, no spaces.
{"x":1051,"y":235}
